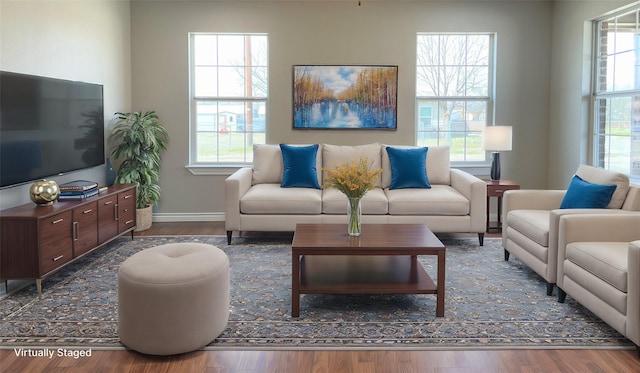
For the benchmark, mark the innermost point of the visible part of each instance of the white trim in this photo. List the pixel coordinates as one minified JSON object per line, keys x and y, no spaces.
{"x":188,"y":217}
{"x":213,"y":170}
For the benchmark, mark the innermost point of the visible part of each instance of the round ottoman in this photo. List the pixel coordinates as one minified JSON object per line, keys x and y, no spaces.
{"x":173,"y":298}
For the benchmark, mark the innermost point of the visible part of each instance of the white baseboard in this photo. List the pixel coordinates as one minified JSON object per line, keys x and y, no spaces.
{"x":184,"y":217}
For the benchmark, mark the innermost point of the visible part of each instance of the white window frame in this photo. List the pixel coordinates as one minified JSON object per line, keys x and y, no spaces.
{"x":606,"y":143}
{"x":489,"y":99}
{"x":217,"y":167}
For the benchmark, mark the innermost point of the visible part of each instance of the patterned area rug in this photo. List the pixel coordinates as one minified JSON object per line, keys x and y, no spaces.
{"x":489,"y":303}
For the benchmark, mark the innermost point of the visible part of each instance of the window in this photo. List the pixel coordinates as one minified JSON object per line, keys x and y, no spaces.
{"x":228,"y":97}
{"x":616,"y":96}
{"x":454,"y":89}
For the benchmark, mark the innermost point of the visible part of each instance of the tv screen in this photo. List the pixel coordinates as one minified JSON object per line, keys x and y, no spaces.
{"x":48,"y":127}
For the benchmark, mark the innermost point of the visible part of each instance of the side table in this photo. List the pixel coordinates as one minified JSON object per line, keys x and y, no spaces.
{"x":496,"y":188}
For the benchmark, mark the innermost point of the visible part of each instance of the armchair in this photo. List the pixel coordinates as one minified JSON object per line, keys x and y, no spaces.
{"x":531,"y":219}
{"x":599,"y":267}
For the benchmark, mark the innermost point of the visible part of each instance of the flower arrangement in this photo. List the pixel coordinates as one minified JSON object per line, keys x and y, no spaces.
{"x":354,"y":179}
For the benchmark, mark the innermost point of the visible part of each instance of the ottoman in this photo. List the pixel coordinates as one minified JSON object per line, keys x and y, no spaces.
{"x":173,"y":298}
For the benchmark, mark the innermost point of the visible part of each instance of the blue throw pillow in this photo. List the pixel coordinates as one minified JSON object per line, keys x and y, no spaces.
{"x":299,"y":166}
{"x":408,"y":168}
{"x":584,"y":195}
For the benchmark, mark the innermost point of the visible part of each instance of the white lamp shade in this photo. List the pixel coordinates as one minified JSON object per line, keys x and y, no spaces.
{"x":497,"y":138}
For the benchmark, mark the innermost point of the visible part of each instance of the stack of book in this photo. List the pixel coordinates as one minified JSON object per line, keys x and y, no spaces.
{"x":78,"y":189}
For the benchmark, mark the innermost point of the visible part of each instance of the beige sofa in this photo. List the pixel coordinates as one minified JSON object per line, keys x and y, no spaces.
{"x":531,"y":219}
{"x":599,"y":267}
{"x":255,"y":200}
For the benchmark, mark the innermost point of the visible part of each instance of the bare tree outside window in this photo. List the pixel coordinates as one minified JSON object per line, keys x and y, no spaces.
{"x":453,"y":92}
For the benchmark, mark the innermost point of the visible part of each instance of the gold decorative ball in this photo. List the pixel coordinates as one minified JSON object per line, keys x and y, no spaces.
{"x":44,"y":192}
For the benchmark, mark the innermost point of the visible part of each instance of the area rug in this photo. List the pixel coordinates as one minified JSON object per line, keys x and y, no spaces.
{"x":489,"y":303}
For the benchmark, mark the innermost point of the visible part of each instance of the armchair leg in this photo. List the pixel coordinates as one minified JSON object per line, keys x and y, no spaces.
{"x":506,"y":255}
{"x":481,"y":238}
{"x":561,"y":295}
{"x":229,"y":234}
{"x":550,"y":288}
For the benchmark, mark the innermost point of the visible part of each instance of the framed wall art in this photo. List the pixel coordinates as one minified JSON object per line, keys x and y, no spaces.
{"x":345,"y":97}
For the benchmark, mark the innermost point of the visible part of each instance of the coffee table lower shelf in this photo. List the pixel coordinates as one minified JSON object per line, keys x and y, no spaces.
{"x":345,"y":274}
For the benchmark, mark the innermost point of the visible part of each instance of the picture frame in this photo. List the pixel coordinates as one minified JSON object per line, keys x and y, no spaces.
{"x":343,"y":97}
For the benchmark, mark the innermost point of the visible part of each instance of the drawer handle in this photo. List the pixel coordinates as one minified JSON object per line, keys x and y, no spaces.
{"x":125,"y":210}
{"x":87,"y":211}
{"x":115,"y":209}
{"x":128,"y":222}
{"x":75,"y":230}
{"x":58,"y":258}
{"x":128,"y":196}
{"x":499,"y":190}
{"x":108,"y":203}
{"x":57,"y":221}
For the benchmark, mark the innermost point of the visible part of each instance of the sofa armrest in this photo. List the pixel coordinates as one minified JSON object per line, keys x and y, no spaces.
{"x":531,"y":199}
{"x":235,"y":186}
{"x":475,"y":190}
{"x":598,"y":227}
{"x":633,"y":293}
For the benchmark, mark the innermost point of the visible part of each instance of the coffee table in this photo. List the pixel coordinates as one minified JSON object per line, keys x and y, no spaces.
{"x":382,"y":260}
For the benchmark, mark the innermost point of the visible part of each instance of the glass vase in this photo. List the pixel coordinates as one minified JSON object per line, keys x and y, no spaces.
{"x":354,"y":216}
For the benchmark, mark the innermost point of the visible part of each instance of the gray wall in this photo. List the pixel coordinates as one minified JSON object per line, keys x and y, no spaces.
{"x":76,"y":40}
{"x":337,"y":33}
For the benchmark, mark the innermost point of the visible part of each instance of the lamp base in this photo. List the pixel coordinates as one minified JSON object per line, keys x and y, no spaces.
{"x":495,"y":166}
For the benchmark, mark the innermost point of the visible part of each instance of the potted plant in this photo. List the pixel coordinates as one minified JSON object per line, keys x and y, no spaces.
{"x":138,"y":139}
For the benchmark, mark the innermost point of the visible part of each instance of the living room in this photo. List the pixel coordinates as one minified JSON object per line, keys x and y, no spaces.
{"x":139,"y":52}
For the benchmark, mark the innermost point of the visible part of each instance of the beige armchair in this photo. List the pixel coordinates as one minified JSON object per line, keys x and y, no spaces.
{"x":599,"y":267}
{"x":531,"y":219}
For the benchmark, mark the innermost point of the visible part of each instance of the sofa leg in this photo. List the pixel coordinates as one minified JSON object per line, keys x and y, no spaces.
{"x":506,"y":255}
{"x":550,"y":288}
{"x":229,"y":234}
{"x":561,"y":295}
{"x":638,"y":350}
{"x":481,"y":238}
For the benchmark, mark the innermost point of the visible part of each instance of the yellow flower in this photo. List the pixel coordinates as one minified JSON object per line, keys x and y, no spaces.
{"x":354,"y":179}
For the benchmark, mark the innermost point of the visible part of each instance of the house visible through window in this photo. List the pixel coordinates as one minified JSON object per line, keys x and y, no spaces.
{"x":616,"y":96}
{"x":228,"y":95}
{"x":454,"y":92}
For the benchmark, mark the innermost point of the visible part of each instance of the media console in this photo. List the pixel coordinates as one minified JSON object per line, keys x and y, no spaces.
{"x":36,"y":241}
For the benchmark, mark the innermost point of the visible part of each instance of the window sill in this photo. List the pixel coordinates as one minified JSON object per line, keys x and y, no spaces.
{"x":224,"y":170}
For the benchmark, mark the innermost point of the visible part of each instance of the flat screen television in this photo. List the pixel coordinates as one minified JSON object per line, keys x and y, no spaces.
{"x":48,"y":127}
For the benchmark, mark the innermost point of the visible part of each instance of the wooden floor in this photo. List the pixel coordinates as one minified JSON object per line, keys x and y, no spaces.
{"x":457,"y":361}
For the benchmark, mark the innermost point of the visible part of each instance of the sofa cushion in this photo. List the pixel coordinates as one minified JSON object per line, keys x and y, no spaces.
{"x":272,"y":199}
{"x":438,"y":165}
{"x":373,"y":203}
{"x":268,"y":166}
{"x":439,"y":200}
{"x":605,"y":260}
{"x":586,"y":195}
{"x":299,"y":166}
{"x":597,"y":175}
{"x":408,"y":167}
{"x":333,"y":155}
{"x":533,"y":224}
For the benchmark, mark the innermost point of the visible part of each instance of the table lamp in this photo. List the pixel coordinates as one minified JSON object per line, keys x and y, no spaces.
{"x":496,"y":139}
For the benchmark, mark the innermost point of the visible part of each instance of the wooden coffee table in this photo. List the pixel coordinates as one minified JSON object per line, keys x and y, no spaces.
{"x":382,"y":260}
